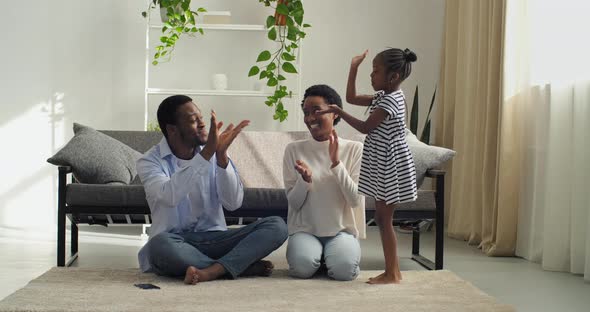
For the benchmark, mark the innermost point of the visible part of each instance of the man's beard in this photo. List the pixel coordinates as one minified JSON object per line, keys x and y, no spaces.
{"x":190,"y":140}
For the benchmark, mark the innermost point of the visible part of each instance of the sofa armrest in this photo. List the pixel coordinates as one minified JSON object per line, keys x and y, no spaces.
{"x":433,"y":173}
{"x":64,"y":169}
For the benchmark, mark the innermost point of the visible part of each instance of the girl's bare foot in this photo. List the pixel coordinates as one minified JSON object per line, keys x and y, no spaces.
{"x":386,"y":278}
{"x":194,"y":275}
{"x":259,"y":268}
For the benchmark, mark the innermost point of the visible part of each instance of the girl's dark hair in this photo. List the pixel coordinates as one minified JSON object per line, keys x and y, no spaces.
{"x":330,"y":96}
{"x":398,"y":61}
{"x":167,"y":111}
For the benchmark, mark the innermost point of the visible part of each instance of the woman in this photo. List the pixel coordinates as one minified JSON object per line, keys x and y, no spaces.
{"x":326,"y":213}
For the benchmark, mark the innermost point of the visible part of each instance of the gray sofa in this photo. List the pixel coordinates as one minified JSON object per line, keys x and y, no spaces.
{"x":258,"y":157}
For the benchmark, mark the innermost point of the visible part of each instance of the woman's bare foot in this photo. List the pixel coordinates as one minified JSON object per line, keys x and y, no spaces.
{"x":259,"y":268}
{"x":194,"y":275}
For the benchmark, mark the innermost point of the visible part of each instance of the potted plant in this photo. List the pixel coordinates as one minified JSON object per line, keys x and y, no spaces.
{"x":286,"y":28}
{"x":425,"y":135}
{"x":178,"y":19}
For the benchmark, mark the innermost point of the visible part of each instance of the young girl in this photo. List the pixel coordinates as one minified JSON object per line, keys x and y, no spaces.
{"x":387,"y":169}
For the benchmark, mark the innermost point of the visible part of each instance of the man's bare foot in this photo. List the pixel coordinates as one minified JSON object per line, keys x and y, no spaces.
{"x":194,"y":275}
{"x":386,"y":278}
{"x":259,"y":268}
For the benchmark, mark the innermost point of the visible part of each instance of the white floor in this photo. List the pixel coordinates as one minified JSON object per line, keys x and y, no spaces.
{"x":511,"y":280}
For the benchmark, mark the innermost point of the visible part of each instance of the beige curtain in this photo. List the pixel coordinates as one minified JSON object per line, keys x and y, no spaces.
{"x":482,"y":200}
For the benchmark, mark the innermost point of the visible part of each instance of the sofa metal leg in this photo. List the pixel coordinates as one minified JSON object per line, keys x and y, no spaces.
{"x":415,"y":241}
{"x":440,"y":222}
{"x":61,"y":220}
{"x":74,"y":239}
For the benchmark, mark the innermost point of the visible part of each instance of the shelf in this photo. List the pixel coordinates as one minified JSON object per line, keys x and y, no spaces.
{"x":209,"y":92}
{"x":242,"y":27}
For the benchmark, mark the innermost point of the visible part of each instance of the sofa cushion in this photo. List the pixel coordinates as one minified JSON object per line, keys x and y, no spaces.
{"x":264,"y":198}
{"x":110,"y":195}
{"x":105,"y":195}
{"x":97,"y":158}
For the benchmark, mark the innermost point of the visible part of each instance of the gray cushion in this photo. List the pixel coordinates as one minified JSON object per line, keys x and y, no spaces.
{"x":264,"y":198}
{"x":97,"y":158}
{"x":140,"y":141}
{"x":426,"y":156}
{"x":105,"y":195}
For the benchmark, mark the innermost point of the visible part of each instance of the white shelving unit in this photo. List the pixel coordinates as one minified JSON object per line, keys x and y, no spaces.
{"x":149,"y":90}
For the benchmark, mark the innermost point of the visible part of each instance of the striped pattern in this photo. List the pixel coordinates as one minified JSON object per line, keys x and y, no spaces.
{"x":387,"y":168}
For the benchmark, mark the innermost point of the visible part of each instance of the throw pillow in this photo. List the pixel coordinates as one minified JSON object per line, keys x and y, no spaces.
{"x":425,"y":156}
{"x":96,"y":158}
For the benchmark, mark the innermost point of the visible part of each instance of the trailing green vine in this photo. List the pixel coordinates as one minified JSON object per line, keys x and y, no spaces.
{"x":286,"y":28}
{"x":181,"y":21}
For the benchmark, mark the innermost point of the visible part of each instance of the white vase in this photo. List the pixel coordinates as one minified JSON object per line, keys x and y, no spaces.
{"x":219,"y":81}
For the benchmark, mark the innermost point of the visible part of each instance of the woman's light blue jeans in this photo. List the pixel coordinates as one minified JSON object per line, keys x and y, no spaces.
{"x":341,"y":254}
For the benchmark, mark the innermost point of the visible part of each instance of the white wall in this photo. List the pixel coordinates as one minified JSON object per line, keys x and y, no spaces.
{"x":83,"y":60}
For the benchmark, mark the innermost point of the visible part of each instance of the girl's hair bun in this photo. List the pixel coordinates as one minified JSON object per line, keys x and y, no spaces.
{"x":410,"y":56}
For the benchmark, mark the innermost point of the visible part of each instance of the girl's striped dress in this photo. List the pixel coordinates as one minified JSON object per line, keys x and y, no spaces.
{"x":387,"y":168}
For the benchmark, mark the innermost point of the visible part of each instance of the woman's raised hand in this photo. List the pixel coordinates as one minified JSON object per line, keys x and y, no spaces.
{"x":303,"y":170}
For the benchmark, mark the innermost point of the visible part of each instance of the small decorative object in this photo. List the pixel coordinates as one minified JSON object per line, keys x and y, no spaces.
{"x":217,"y":17}
{"x":219,"y":81}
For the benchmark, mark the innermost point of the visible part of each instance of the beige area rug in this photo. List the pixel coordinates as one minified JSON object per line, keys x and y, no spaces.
{"x":75,"y":289}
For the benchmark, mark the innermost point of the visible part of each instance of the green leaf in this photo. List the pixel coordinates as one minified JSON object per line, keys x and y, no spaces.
{"x":194,"y":29}
{"x":201,"y":31}
{"x":157,"y":55}
{"x":292,"y":33}
{"x":263,"y":74}
{"x":270,"y":21}
{"x":414,"y":114}
{"x":298,"y":15}
{"x":283,"y":9}
{"x":271,"y":66}
{"x":155,"y":63}
{"x":253,"y":71}
{"x":281,"y":78}
{"x":201,"y":10}
{"x":288,"y":57}
{"x":272,"y":82}
{"x":431,"y":104}
{"x":272,"y":34}
{"x":425,"y":137}
{"x":289,"y":68}
{"x":306,"y":25}
{"x":144,"y":14}
{"x":263,"y":56}
{"x":164,"y":28}
{"x":185,"y":5}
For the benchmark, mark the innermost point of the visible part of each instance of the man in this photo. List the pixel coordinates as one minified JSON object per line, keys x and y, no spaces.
{"x":188,"y":177}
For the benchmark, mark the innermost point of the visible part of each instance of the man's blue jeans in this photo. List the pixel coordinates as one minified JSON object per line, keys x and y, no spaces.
{"x":235,"y":249}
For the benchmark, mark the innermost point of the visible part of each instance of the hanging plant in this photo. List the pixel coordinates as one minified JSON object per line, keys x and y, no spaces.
{"x":286,"y":28}
{"x":179,"y":20}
